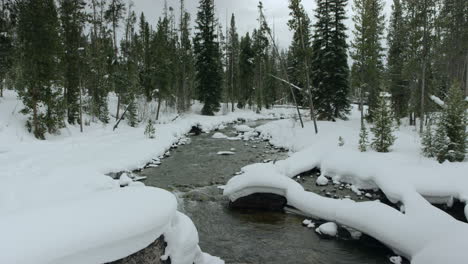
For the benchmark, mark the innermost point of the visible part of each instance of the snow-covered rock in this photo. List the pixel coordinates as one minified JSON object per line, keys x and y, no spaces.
{"x":328,"y":229}
{"x":322,"y":180}
{"x":219,"y":135}
{"x":396,"y":260}
{"x":124,"y":180}
{"x":243,"y":128}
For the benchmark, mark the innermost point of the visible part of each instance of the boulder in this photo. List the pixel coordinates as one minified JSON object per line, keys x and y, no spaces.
{"x":260,"y":201}
{"x":150,"y":255}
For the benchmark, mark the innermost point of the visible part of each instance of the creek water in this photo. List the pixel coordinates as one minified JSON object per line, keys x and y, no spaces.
{"x":194,"y":171}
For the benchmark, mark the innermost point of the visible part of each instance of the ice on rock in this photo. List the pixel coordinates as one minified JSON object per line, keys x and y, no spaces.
{"x":322,"y":181}
{"x":356,"y":190}
{"x":306,"y":222}
{"x":328,"y":229}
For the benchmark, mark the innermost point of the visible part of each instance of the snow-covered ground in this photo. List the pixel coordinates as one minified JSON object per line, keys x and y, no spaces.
{"x":57,"y":205}
{"x":419,"y":231}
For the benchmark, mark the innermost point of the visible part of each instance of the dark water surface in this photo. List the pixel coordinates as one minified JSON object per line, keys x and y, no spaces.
{"x":195,"y":171}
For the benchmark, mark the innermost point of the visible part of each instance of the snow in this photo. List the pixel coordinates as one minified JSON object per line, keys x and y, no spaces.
{"x":437,"y":100}
{"x":396,"y":260}
{"x":328,"y":229}
{"x":101,"y":227}
{"x":58,"y":205}
{"x":219,"y":135}
{"x":403,"y":175}
{"x":322,"y":180}
{"x":243,"y":128}
{"x":125,"y":180}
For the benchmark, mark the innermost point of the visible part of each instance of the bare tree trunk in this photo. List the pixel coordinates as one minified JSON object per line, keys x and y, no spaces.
{"x":159,"y":107}
{"x":466,"y":75}
{"x":1,"y":88}
{"x":309,"y":87}
{"x":423,"y":88}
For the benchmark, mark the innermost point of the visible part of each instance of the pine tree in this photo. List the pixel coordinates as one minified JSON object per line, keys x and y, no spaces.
{"x":300,"y":51}
{"x":186,"y":59}
{"x":233,"y":63}
{"x":150,"y":130}
{"x":441,"y":140}
{"x":209,"y":74}
{"x":367,"y":51}
{"x":330,"y":62}
{"x":363,"y":138}
{"x":428,"y":148}
{"x":113,"y":15}
{"x":72,"y":16}
{"x":455,"y":120}
{"x":246,"y":72}
{"x":38,"y":47}
{"x":6,"y":41}
{"x":98,"y":52}
{"x":145,"y":59}
{"x":383,"y":126}
{"x":396,"y":59}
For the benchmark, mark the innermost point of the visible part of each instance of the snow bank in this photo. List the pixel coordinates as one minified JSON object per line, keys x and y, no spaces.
{"x":56,"y":203}
{"x":101,"y":227}
{"x":403,"y":175}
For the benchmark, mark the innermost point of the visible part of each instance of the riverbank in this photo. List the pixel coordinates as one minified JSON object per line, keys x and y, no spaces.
{"x":67,"y":173}
{"x":404,"y":176}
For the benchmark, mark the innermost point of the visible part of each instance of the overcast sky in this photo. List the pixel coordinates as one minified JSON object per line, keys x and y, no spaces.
{"x":246,"y":13}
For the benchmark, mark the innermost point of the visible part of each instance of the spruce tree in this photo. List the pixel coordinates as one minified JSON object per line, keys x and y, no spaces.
{"x":6,"y":41}
{"x":300,"y":51}
{"x":145,"y":59}
{"x":150,"y":130}
{"x":113,"y":15}
{"x":246,"y":71}
{"x":441,"y":140}
{"x":367,"y":51}
{"x":209,"y":73}
{"x":455,"y":121}
{"x":427,"y":141}
{"x":396,"y":58}
{"x":38,"y":47}
{"x":72,"y":16}
{"x":98,"y":81}
{"x":186,"y":61}
{"x":363,"y":138}
{"x":233,"y":62}
{"x":383,"y":126}
{"x":330,"y":62}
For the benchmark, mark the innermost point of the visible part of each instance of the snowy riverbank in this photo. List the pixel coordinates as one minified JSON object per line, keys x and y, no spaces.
{"x":416,"y":231}
{"x":49,"y":185}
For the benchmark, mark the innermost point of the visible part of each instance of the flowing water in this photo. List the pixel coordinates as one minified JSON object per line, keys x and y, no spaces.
{"x":194,"y":172}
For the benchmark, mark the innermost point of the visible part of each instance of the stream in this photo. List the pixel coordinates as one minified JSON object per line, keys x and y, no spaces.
{"x":194,"y":171}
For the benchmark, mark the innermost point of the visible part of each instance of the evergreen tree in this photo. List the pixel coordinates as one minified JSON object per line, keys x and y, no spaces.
{"x":428,"y":148}
{"x":363,"y":138}
{"x":186,"y":59}
{"x":150,"y":130}
{"x":300,"y":51}
{"x":72,"y":16}
{"x":38,"y":83}
{"x":100,"y":49}
{"x":367,"y":50}
{"x":441,"y":140}
{"x":145,"y":59}
{"x":383,"y":126}
{"x":455,"y":120}
{"x":6,"y":41}
{"x":329,"y":65}
{"x":246,"y":72}
{"x":207,"y":58}
{"x":396,"y":57}
{"x":113,"y":15}
{"x":233,"y":51}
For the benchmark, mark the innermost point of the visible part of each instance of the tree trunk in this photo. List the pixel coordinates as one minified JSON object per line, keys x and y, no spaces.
{"x":1,"y":88}
{"x":423,"y":88}
{"x":159,"y":107}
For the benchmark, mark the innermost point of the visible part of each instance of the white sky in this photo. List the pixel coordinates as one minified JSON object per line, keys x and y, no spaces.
{"x":277,"y":13}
